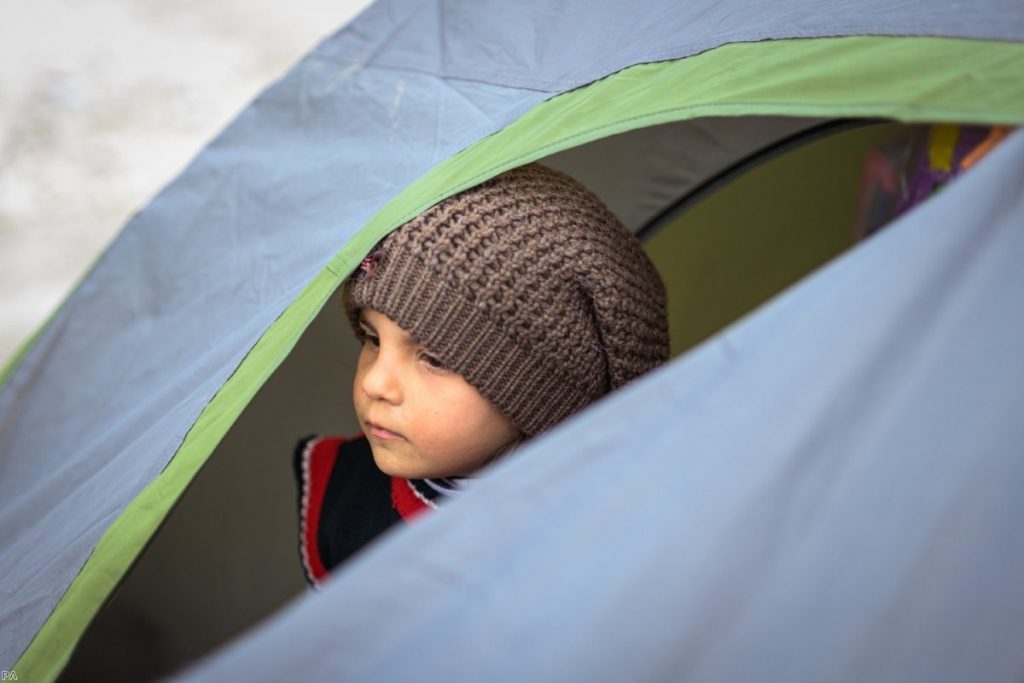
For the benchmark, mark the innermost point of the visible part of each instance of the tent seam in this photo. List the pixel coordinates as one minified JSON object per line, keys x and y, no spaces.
{"x":552,"y":89}
{"x":673,"y":53}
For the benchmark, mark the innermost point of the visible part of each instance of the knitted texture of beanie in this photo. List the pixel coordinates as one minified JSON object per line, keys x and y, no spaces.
{"x":526,"y":285}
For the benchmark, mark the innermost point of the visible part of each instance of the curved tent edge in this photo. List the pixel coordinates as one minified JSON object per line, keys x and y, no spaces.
{"x":785,"y":77}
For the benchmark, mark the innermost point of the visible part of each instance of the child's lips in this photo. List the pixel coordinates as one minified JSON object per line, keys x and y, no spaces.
{"x":382,"y":432}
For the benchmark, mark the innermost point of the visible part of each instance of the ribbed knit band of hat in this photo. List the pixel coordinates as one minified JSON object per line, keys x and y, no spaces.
{"x":529,"y":287}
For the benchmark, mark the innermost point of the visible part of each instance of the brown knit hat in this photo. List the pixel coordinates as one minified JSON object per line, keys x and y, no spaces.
{"x":527,"y":286}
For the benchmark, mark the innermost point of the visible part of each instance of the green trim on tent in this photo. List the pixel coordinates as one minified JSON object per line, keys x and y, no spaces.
{"x":965,"y":82}
{"x":907,"y":79}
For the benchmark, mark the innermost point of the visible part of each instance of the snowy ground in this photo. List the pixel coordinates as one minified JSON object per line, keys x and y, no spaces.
{"x":102,"y":102}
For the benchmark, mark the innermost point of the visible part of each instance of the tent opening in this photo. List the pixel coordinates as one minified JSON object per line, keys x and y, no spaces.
{"x":226,"y":557}
{"x":763,"y":230}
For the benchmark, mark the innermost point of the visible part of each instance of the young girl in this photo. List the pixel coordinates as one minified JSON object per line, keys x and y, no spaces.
{"x":484,"y":321}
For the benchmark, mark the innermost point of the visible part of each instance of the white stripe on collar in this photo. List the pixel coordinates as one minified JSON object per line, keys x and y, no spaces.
{"x":452,"y":486}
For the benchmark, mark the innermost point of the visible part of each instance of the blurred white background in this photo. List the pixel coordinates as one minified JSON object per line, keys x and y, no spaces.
{"x":102,"y":102}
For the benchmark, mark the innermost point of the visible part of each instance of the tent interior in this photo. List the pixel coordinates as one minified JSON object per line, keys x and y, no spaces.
{"x":766,"y":201}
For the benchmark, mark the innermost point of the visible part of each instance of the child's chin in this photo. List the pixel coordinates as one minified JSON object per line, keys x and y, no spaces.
{"x":394,"y":466}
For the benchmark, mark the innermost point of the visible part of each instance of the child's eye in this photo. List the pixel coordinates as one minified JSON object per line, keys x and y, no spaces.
{"x":433,"y":361}
{"x":367,"y":338}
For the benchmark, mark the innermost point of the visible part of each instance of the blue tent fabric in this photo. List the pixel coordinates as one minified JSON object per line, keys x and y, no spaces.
{"x":196,"y":277}
{"x":828,"y":490}
{"x":554,"y":47}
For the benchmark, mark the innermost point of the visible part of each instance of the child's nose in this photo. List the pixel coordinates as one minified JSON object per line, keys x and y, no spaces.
{"x":381,"y":382}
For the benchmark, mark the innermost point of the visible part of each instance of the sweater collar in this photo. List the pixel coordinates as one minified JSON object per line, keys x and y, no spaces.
{"x":440,"y":489}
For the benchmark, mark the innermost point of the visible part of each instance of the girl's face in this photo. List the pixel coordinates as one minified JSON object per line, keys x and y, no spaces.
{"x":421,"y":419}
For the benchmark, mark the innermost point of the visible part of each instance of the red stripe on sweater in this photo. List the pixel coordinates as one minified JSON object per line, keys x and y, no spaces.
{"x":317,"y":464}
{"x":405,"y":499}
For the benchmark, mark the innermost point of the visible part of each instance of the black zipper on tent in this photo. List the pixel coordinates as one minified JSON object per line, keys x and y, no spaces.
{"x":748,"y":163}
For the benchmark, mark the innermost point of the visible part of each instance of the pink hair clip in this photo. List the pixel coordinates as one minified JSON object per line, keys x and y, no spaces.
{"x":368,"y":266}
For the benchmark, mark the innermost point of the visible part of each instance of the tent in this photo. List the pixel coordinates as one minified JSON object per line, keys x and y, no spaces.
{"x":825,"y":490}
